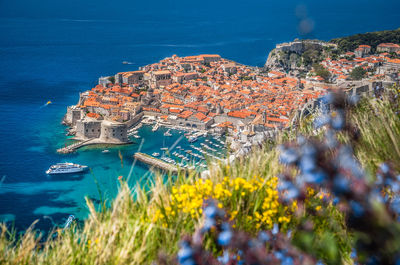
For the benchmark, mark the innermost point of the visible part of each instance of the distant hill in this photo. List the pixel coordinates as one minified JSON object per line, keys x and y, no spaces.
{"x":373,"y":39}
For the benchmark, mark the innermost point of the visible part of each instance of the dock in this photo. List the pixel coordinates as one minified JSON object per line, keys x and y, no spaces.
{"x":75,"y":146}
{"x":155,"y":162}
{"x":72,"y":147}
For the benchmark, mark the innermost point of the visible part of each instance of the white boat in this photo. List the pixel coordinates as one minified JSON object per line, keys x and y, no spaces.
{"x":168,"y":133}
{"x":192,"y":139}
{"x":105,"y":151}
{"x":155,"y":154}
{"x":155,"y":127}
{"x":64,"y":168}
{"x":136,"y":136}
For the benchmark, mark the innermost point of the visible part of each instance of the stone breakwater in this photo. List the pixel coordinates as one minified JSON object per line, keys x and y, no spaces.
{"x":73,"y":147}
{"x":154,"y":162}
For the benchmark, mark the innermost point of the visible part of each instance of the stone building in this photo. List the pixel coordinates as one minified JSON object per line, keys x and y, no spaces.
{"x":135,"y":77}
{"x":182,"y":77}
{"x":130,"y":78}
{"x":104,"y":81}
{"x":229,"y":68}
{"x":113,"y":132}
{"x":208,"y":58}
{"x":160,"y":78}
{"x":388,"y":47}
{"x":88,"y":128}
{"x":362,"y":50}
{"x":74,"y":113}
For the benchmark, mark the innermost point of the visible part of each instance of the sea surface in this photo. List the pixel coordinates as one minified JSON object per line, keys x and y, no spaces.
{"x":52,"y":51}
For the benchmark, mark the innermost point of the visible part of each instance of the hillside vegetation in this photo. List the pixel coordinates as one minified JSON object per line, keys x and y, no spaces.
{"x":350,"y":43}
{"x":136,"y":231}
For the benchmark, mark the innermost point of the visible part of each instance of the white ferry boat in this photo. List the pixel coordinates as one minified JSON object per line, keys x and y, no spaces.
{"x":64,"y":168}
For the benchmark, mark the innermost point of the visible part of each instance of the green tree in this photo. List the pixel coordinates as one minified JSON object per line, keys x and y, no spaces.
{"x":321,"y":71}
{"x":111,"y":79}
{"x":358,"y":73}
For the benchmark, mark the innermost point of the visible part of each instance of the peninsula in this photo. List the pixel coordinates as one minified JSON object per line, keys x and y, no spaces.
{"x":213,"y":94}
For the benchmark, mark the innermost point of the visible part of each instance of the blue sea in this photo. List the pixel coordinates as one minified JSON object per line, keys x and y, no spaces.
{"x":52,"y":51}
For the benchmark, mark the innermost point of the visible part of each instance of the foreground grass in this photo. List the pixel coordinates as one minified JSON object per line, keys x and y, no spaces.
{"x":128,"y":233}
{"x":135,"y":231}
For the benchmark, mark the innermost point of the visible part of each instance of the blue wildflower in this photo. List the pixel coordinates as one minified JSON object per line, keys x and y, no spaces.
{"x":321,"y":121}
{"x":189,"y":262}
{"x":287,"y":261}
{"x":353,"y":253}
{"x":341,"y":184}
{"x":354,"y":99}
{"x":394,"y":186}
{"x":395,"y":205}
{"x":385,"y":168}
{"x":379,"y":179}
{"x":307,"y":163}
{"x":357,"y":209}
{"x":208,"y":224}
{"x":291,"y":193}
{"x":275,"y":229}
{"x":225,"y":237}
{"x":279,"y":255}
{"x":301,"y":140}
{"x":185,"y":253}
{"x":224,"y":259}
{"x":284,"y":185}
{"x":288,"y":156}
{"x":338,"y":120}
{"x":225,"y":226}
{"x":210,"y":211}
{"x":335,"y":200}
{"x":309,"y":150}
{"x":263,"y":237}
{"x":330,"y":139}
{"x":328,"y":98}
{"x":316,"y":177}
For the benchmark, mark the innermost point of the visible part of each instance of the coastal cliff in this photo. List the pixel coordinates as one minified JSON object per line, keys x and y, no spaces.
{"x":298,"y":56}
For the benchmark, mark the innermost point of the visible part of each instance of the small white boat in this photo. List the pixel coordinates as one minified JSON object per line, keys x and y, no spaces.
{"x":155,"y":154}
{"x":155,"y":127}
{"x":105,"y":151}
{"x":168,"y":133}
{"x":65,"y":168}
{"x":192,"y":139}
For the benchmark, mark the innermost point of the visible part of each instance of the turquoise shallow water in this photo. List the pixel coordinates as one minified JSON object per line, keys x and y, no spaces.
{"x":52,"y":198}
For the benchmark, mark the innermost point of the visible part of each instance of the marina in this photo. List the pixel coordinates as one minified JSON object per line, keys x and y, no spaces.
{"x":189,"y":152}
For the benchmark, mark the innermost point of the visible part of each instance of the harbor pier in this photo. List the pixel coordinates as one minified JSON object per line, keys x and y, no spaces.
{"x":75,"y":146}
{"x":155,"y":162}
